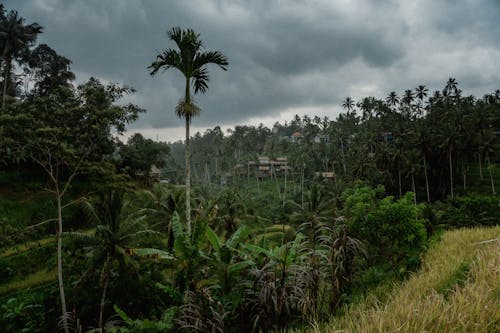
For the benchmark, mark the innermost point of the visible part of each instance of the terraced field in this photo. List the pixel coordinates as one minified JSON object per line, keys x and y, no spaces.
{"x":456,"y":290}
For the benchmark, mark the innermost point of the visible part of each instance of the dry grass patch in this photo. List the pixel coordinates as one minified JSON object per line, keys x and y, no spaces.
{"x":456,"y":290}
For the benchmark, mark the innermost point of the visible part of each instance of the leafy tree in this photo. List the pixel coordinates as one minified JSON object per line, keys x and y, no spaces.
{"x":15,"y":39}
{"x":139,"y":154}
{"x":50,"y":70}
{"x":191,"y":60}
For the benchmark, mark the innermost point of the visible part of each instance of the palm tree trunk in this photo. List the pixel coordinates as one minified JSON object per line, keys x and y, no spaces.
{"x":188,"y":179}
{"x":426,"y":181}
{"x":5,"y":78}
{"x":284,"y":190}
{"x":343,"y":156}
{"x":103,"y":298}
{"x":258,"y":184}
{"x":187,"y":100}
{"x":334,"y":174}
{"x":273,"y":172}
{"x":207,"y":176}
{"x":491,"y":176}
{"x":59,"y":261}
{"x":451,"y":171}
{"x":302,"y":186}
{"x":399,"y":181}
{"x":414,"y":191}
{"x":464,"y":175}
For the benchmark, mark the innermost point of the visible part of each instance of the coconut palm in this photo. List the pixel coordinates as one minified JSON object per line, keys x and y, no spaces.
{"x":191,"y":60}
{"x":348,"y":103}
{"x":115,"y":239}
{"x":420,"y":93}
{"x":392,"y":99}
{"x":451,"y":85}
{"x":15,"y":39}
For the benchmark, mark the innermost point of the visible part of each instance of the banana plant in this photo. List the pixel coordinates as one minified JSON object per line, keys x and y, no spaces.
{"x":225,"y":260}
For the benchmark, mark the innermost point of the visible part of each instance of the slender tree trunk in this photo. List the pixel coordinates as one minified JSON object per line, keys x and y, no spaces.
{"x":414,"y":190}
{"x":273,"y":172}
{"x":188,"y":179}
{"x":343,"y":156}
{"x":491,"y":176}
{"x":480,"y":167}
{"x":451,"y":171}
{"x":399,"y":181}
{"x":59,"y":261}
{"x":103,"y":298}
{"x":216,"y":165}
{"x":464,"y":175}
{"x":284,"y":190}
{"x":187,"y":100}
{"x":426,"y":181}
{"x":258,"y":184}
{"x":5,"y":77}
{"x":302,"y":185}
{"x":207,"y":176}
{"x":334,"y":174}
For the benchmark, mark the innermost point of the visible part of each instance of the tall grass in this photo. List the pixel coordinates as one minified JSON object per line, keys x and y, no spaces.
{"x":469,"y":269}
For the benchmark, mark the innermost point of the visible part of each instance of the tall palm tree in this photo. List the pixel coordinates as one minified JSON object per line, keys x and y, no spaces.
{"x":191,"y":60}
{"x":420,"y":93}
{"x":392,"y":99}
{"x":348,"y":103}
{"x":15,"y":40}
{"x":451,"y":86}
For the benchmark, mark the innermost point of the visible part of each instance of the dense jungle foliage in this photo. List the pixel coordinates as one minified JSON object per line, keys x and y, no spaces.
{"x":91,"y":241}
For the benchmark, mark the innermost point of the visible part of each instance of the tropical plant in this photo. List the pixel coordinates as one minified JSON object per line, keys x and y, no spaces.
{"x":115,"y":240}
{"x":15,"y":39}
{"x":191,"y":60}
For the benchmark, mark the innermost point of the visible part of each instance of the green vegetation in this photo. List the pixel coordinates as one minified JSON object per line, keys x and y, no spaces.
{"x":273,"y":229}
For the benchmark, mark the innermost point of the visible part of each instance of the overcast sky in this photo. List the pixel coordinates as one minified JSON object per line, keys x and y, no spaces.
{"x":286,"y":56}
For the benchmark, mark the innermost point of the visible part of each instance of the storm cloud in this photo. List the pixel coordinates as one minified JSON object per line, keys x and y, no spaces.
{"x":285,"y":56}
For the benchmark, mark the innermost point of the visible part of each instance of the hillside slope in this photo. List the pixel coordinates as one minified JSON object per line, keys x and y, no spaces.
{"x":456,"y":290}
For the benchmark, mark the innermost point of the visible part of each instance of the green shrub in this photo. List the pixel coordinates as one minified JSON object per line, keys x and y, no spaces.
{"x":471,"y":210}
{"x":392,"y":230}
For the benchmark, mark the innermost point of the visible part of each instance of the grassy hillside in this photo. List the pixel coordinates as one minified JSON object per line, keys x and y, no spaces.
{"x":457,"y":290}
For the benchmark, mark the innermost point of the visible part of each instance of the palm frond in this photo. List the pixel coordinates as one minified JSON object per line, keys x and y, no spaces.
{"x":211,"y":57}
{"x":167,"y":59}
{"x":200,"y":80}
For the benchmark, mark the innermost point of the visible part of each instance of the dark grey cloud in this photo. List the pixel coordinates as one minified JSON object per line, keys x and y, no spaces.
{"x":285,"y":56}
